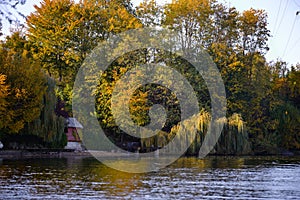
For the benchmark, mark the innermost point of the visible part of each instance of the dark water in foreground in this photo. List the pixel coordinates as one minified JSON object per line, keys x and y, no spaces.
{"x":188,"y":178}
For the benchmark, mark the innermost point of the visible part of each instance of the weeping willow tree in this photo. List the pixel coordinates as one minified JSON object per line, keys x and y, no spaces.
{"x":48,"y":126}
{"x":233,"y":140}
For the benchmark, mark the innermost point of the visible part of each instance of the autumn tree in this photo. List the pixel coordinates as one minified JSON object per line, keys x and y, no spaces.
{"x":62,"y":33}
{"x":50,"y":30}
{"x":26,"y":83}
{"x":192,"y":20}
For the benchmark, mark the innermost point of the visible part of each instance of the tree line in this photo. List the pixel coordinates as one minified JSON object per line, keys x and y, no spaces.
{"x":262,"y":97}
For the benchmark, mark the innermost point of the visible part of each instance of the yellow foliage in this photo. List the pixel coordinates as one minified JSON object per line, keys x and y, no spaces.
{"x":4,"y":92}
{"x":3,"y":87}
{"x":21,"y":88}
{"x":236,"y":121}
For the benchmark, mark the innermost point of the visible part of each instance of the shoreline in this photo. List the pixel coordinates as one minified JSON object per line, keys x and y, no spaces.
{"x":64,"y":153}
{"x":41,"y":153}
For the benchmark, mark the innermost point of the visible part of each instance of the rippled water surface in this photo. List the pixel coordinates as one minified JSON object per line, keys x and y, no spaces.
{"x":188,"y":178}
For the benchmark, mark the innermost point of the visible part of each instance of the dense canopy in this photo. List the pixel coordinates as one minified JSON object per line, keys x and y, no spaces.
{"x":262,"y":98}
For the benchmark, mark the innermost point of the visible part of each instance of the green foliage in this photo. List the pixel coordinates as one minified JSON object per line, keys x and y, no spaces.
{"x":66,"y":95}
{"x":287,"y":118}
{"x":48,"y":126}
{"x":293,"y":82}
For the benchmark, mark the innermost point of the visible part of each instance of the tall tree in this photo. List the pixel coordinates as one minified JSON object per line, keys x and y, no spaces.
{"x":64,"y":32}
{"x":50,"y":30}
{"x":192,"y":20}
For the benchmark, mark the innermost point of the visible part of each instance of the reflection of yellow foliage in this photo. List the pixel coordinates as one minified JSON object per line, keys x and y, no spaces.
{"x":116,"y":181}
{"x":209,"y":162}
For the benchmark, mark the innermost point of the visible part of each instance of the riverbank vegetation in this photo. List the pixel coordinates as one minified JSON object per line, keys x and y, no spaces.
{"x":263,"y":98}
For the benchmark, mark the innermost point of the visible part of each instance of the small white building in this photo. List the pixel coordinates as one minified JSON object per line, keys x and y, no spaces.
{"x":74,"y":141}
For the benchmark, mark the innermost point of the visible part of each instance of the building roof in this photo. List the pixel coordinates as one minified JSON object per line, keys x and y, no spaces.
{"x":73,"y":123}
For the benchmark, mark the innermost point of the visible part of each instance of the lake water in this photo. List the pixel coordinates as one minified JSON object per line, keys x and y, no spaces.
{"x":188,"y":178}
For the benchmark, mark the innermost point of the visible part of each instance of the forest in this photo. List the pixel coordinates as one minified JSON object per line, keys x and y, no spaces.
{"x":39,"y":64}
